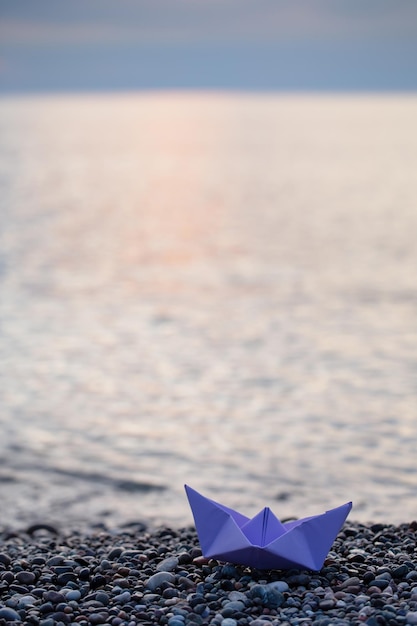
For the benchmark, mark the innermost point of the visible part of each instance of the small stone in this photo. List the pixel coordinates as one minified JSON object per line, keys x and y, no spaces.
{"x":167,"y":565}
{"x":156,"y":580}
{"x":236,"y":595}
{"x":274,"y":598}
{"x":114,"y":554}
{"x":97,"y":618}
{"x":26,"y":601}
{"x":26,"y":578}
{"x":60,"y":616}
{"x":102,"y":596}
{"x":400,"y":572}
{"x":65,"y":578}
{"x":5,"y":559}
{"x":380,"y":584}
{"x":230,"y":608}
{"x":327,"y":604}
{"x":350,"y":582}
{"x":279,"y":585}
{"x":55,"y":560}
{"x":47,"y":607}
{"x":97,"y":581}
{"x":411,"y":617}
{"x":122,"y":598}
{"x":258,"y":591}
{"x":229,"y":571}
{"x":10,"y":615}
{"x":229,"y":621}
{"x":53,"y":596}
{"x":184,"y":558}
{"x":73,"y":594}
{"x":84,"y":574}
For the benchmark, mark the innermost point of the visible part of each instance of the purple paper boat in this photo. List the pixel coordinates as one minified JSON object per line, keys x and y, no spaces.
{"x":262,"y":541}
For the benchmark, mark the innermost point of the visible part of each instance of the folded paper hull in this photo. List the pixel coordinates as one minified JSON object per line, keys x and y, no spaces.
{"x":263,"y":542}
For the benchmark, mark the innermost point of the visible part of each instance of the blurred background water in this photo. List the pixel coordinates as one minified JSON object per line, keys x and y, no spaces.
{"x":207,"y":288}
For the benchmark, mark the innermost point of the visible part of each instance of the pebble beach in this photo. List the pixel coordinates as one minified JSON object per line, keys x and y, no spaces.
{"x":132,"y":575}
{"x":211,"y":287}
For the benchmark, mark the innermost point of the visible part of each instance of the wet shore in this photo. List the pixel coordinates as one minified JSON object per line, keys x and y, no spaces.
{"x":134,"y":575}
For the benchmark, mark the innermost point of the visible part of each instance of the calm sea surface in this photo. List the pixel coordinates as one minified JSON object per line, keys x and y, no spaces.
{"x":212,"y":289}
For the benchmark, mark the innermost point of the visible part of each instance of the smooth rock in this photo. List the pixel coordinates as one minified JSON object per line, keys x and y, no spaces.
{"x":327,"y":604}
{"x":10,"y":615}
{"x":73,"y":594}
{"x":123,"y":598}
{"x":26,"y":578}
{"x":5,"y":559}
{"x":232,"y":607}
{"x":279,"y":585}
{"x":167,"y":565}
{"x":53,"y":596}
{"x":26,"y":601}
{"x":156,"y":580}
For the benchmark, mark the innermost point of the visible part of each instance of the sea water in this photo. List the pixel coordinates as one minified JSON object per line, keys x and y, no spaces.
{"x":213,"y":289}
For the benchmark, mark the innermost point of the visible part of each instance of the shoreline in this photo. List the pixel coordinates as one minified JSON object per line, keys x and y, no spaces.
{"x":134,"y":576}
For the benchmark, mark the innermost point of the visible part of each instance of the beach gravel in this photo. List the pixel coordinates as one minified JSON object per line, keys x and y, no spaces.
{"x":126,"y":577}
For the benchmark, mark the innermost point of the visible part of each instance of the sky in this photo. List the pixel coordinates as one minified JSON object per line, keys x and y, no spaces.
{"x":256,"y":45}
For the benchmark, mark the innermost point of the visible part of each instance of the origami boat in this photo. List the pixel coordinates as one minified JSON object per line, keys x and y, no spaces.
{"x":263,"y":541}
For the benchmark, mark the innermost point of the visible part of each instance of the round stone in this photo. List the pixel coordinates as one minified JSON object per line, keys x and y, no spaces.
{"x":26,"y":601}
{"x":5,"y":559}
{"x":10,"y":615}
{"x":26,"y":578}
{"x":123,"y":598}
{"x":73,"y":594}
{"x":156,"y":580}
{"x":279,"y":585}
{"x":167,"y":565}
{"x":230,"y":608}
{"x":54,"y":596}
{"x":228,"y":621}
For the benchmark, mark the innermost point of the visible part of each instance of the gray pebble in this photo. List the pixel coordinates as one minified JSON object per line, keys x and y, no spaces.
{"x":10,"y":615}
{"x":167,"y":565}
{"x":411,"y":617}
{"x":156,"y":580}
{"x":102,"y":596}
{"x":26,"y":601}
{"x":327,"y":604}
{"x":26,"y":578}
{"x":232,"y":607}
{"x":353,"y":581}
{"x":97,"y":618}
{"x":279,"y":585}
{"x":73,"y":594}
{"x":237,"y":595}
{"x":175,"y":621}
{"x":53,"y":596}
{"x":123,"y":598}
{"x":5,"y":559}
{"x":228,"y":621}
